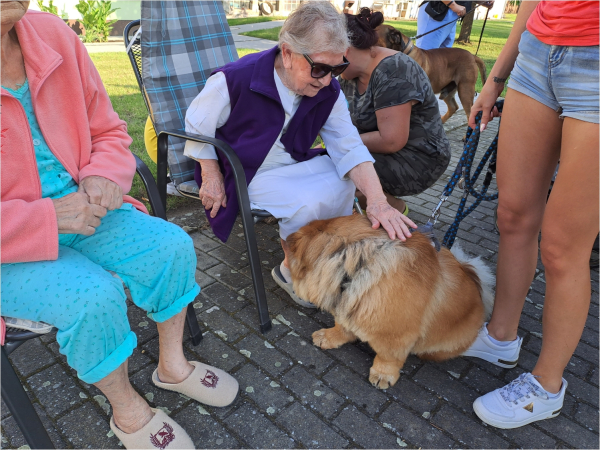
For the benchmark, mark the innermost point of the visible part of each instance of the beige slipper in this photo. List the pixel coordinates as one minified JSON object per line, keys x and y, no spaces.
{"x":206,"y":384}
{"x":161,"y":432}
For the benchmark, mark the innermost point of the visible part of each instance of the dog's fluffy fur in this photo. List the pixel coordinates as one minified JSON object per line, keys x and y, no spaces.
{"x":400,"y":297}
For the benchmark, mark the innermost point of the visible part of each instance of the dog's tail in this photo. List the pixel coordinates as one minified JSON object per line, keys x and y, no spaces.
{"x":482,"y":69}
{"x":485,"y":279}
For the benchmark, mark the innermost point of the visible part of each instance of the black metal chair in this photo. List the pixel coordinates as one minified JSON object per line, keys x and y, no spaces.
{"x":13,"y":394}
{"x":249,"y":216}
{"x":15,"y":397}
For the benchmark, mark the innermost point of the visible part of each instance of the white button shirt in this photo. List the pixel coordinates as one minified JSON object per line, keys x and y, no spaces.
{"x":211,"y":108}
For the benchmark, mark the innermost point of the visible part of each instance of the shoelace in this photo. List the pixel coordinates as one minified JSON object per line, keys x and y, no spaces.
{"x":520,"y":389}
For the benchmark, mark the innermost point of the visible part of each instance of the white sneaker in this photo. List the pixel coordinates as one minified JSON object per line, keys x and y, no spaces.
{"x":505,"y":356}
{"x":518,"y":403}
{"x":28,"y":325}
{"x":289,"y":288}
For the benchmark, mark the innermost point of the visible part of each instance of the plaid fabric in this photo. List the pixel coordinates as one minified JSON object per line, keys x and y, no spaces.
{"x":182,"y":43}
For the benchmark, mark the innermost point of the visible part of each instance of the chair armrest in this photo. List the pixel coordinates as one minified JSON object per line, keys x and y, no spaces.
{"x":158,"y":207}
{"x":236,"y":165}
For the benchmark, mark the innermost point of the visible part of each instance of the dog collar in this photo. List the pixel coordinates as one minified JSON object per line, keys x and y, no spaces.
{"x":427,"y":230}
{"x":410,"y":47}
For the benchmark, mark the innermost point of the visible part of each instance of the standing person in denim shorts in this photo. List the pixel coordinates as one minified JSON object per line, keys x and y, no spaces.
{"x":550,"y":112}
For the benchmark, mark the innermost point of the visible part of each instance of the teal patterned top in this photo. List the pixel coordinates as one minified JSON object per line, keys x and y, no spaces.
{"x":56,"y":181}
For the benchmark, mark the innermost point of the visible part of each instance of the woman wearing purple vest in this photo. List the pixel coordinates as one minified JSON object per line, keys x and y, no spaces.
{"x":270,"y":107}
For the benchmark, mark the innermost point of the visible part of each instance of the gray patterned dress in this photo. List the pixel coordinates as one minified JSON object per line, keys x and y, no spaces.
{"x":396,"y":80}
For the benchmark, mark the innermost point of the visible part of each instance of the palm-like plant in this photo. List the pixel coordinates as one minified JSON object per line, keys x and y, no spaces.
{"x":94,"y":18}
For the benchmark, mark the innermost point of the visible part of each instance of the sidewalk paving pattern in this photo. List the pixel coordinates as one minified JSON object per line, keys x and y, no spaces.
{"x":294,"y":395}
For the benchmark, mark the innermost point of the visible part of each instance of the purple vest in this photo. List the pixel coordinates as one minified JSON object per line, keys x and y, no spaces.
{"x":255,"y":122}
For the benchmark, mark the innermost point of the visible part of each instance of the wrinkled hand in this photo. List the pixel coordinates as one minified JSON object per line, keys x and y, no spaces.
{"x":393,"y":221}
{"x":485,"y":102}
{"x":76,"y":215}
{"x":102,"y":191}
{"x":212,"y":193}
{"x":459,"y":10}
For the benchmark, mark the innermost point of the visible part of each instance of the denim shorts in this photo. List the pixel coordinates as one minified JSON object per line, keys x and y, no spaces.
{"x":564,"y":78}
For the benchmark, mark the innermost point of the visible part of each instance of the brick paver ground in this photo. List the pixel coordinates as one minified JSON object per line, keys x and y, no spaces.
{"x":295,"y":395}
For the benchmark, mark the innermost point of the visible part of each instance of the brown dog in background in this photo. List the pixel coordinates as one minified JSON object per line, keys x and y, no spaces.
{"x":400,"y":297}
{"x":450,"y":70}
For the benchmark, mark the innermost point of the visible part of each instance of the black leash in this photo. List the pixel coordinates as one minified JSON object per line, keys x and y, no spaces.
{"x":458,"y":18}
{"x":463,"y":179}
{"x":449,"y":23}
{"x":482,"y":28}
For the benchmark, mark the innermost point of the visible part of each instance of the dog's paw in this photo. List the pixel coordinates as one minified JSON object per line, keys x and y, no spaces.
{"x":320,"y":339}
{"x":383,"y":380}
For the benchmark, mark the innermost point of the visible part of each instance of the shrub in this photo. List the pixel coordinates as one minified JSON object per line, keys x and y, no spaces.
{"x":94,"y":15}
{"x":51,"y":8}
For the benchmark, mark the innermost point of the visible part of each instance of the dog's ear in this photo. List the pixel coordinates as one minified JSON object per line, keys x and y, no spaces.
{"x":396,"y":38}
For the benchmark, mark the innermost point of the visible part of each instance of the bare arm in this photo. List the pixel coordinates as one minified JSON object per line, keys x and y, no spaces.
{"x":459,"y":10}
{"x":379,"y":210}
{"x":502,"y":68}
{"x":393,"y":125}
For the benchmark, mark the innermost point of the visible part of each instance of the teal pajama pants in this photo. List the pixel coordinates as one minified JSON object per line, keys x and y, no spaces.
{"x":75,"y":293}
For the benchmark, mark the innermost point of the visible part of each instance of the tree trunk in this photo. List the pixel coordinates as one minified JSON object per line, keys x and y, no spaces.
{"x":465,"y":30}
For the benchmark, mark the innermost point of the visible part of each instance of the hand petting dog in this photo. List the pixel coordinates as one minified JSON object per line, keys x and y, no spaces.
{"x":379,"y":211}
{"x":393,"y":221}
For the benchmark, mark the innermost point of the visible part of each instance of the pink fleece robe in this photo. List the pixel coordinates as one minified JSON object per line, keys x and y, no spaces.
{"x":80,"y":127}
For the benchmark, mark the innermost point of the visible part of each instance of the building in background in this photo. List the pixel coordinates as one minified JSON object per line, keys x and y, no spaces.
{"x":392,"y":9}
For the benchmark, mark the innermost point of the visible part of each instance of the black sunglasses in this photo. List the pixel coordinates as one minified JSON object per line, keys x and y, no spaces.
{"x":319,"y":70}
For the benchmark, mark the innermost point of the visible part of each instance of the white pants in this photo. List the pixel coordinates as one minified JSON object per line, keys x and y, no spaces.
{"x":299,"y":193}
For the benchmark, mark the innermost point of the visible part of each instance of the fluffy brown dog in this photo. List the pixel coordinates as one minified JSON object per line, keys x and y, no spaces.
{"x":450,"y":70}
{"x":400,"y":297}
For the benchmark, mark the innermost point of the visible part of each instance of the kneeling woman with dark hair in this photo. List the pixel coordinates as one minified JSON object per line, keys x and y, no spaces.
{"x":394,"y":108}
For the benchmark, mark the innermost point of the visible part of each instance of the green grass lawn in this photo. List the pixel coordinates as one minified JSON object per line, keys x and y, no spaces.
{"x":119,"y":80}
{"x":495,"y":35}
{"x":248,"y":20}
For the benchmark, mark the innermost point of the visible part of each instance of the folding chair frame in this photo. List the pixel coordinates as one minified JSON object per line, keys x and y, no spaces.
{"x":249,"y":216}
{"x":15,"y":397}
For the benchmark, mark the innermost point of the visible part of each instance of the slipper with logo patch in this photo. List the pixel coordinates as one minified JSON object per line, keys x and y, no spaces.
{"x":206,"y":384}
{"x":161,"y":432}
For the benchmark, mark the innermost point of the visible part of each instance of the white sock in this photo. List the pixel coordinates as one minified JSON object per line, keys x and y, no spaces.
{"x":497,"y":342}
{"x":285,"y":273}
{"x":553,"y":396}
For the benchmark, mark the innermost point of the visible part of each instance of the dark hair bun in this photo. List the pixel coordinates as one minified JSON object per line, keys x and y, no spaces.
{"x":373,"y":18}
{"x":361,"y":28}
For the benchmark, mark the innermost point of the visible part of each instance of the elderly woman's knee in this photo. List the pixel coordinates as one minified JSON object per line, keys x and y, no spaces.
{"x":173,"y":240}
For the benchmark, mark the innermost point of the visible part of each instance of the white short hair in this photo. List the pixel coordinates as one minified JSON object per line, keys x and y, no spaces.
{"x":315,"y":27}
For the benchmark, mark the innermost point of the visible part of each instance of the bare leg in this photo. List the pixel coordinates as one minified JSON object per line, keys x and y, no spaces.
{"x":527,"y":157}
{"x":568,"y":232}
{"x":173,"y":366}
{"x":286,"y":252}
{"x":130,"y":411}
